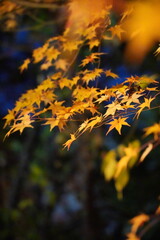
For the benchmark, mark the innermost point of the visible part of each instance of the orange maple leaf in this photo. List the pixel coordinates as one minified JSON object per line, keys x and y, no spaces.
{"x":111,"y":74}
{"x":138,"y":221}
{"x":24,"y":65}
{"x":132,"y":236}
{"x":116,"y":31}
{"x":90,"y":59}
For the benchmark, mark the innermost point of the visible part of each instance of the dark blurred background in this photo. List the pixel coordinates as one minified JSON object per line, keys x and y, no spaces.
{"x":46,"y":192}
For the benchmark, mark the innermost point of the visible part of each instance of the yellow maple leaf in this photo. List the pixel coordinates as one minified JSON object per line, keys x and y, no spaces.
{"x":70,"y":141}
{"x":109,"y":165}
{"x":39,"y":53}
{"x":112,"y":108}
{"x":93,"y":43}
{"x":134,"y":98}
{"x":130,"y":156}
{"x":90,"y":59}
{"x":83,"y":125}
{"x":61,"y":64}
{"x":25,"y":122}
{"x":46,"y":65}
{"x":71,"y":45}
{"x":145,"y":104}
{"x":51,"y":53}
{"x":116,"y":31}
{"x":81,"y":93}
{"x":121,"y":181}
{"x":52,"y":122}
{"x":154,"y":129}
{"x":117,"y":124}
{"x":9,"y":117}
{"x":111,"y":74}
{"x":91,"y":75}
{"x":24,"y":65}
{"x":103,"y":98}
{"x":92,"y":122}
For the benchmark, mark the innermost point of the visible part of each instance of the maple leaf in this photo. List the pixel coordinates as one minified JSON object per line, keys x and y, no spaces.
{"x":81,"y":93}
{"x":112,"y":108}
{"x":154,"y":129}
{"x":52,"y":53}
{"x":46,"y":65}
{"x":65,"y":82}
{"x":103,"y":98}
{"x":93,"y":43}
{"x":109,"y":165}
{"x":138,"y":221}
{"x":111,"y":74}
{"x":144,"y":81}
{"x":39,"y":53}
{"x":52,"y":122}
{"x":116,"y":31}
{"x":25,"y":123}
{"x":120,"y":89}
{"x":117,"y":124}
{"x":90,"y":32}
{"x":134,"y":98}
{"x":70,"y":141}
{"x":71,"y":45}
{"x":91,"y":75}
{"x":9,"y":117}
{"x":145,"y":104}
{"x":83,"y":125}
{"x":132,"y":236}
{"x":130,"y":156}
{"x":61,"y":64}
{"x":24,"y":65}
{"x":92,"y":122}
{"x":90,"y":59}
